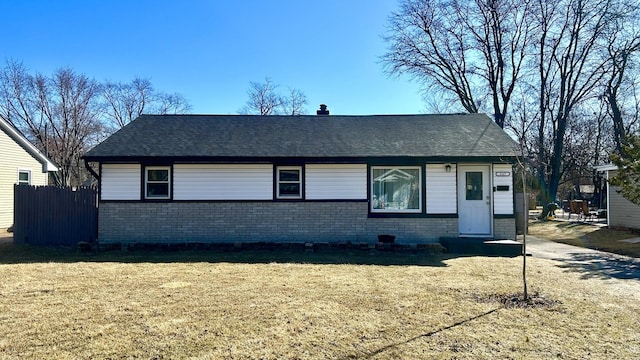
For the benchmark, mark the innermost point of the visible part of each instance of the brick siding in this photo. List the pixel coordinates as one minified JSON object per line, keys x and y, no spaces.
{"x":229,"y":222}
{"x":504,"y":228}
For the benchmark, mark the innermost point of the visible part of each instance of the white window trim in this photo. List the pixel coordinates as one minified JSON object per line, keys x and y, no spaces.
{"x":394,"y":210}
{"x":28,"y":171}
{"x":278,"y":182}
{"x":146,"y":181}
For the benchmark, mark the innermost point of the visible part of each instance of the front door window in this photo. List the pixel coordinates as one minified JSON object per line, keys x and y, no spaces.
{"x":474,"y":185}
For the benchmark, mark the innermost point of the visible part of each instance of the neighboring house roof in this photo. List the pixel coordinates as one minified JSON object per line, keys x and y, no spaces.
{"x":332,"y":136}
{"x":605,"y":167}
{"x":587,"y":189}
{"x":13,"y":133}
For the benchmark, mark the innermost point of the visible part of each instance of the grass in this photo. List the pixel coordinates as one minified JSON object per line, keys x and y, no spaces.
{"x":324,"y":305}
{"x":585,"y":235}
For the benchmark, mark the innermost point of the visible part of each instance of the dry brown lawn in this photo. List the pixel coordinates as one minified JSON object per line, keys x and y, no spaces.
{"x":586,"y":235}
{"x":244,"y":306}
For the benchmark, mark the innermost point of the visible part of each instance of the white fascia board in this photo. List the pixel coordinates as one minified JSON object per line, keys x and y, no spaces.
{"x":47,"y":165}
{"x":605,"y":167}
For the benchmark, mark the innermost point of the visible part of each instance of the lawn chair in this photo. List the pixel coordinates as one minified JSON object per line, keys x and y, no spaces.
{"x":586,"y":212}
{"x":575,"y":208}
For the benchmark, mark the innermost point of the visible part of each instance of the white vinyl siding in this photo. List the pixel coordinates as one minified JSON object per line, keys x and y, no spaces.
{"x":120,"y":182}
{"x":441,"y":189}
{"x":14,"y":158}
{"x":223,"y":182}
{"x":336,"y":181}
{"x":622,"y":212}
{"x":503,"y":200}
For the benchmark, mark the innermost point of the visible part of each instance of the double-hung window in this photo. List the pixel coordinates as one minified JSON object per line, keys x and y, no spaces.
{"x":157,"y":182}
{"x":396,"y":189}
{"x":289,"y":182}
{"x":24,"y":177}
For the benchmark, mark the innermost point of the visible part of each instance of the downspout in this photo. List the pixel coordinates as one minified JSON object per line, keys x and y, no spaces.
{"x":97,"y":177}
{"x":90,"y":169}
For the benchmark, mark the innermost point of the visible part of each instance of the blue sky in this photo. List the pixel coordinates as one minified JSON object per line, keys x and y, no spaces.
{"x":209,"y":51}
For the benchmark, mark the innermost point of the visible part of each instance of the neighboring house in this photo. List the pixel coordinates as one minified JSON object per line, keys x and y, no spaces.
{"x":239,"y":178}
{"x":620,"y":211}
{"x":20,"y":163}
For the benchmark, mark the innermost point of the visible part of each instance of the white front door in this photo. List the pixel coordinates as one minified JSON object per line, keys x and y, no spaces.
{"x":474,"y":200}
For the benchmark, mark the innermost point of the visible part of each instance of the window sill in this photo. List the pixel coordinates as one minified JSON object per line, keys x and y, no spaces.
{"x":411,"y":215}
{"x":395,"y":215}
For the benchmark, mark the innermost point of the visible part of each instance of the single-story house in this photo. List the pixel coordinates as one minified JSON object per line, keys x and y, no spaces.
{"x":621,"y":212}
{"x":20,"y":163}
{"x":325,"y":178}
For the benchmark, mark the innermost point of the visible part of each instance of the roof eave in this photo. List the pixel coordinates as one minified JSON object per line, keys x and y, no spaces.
{"x":311,"y":159}
{"x":605,"y":167}
{"x":47,"y":164}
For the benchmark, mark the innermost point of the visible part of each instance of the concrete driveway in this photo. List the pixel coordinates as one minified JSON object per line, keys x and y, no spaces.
{"x":591,"y":263}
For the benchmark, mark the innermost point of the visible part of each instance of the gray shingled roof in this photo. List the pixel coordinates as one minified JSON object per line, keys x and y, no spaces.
{"x":333,"y":136}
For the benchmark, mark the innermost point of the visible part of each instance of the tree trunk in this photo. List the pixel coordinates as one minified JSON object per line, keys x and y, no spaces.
{"x":499,"y":119}
{"x":618,"y":123}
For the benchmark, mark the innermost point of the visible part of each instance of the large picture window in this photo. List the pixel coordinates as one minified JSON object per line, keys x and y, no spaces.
{"x":396,"y":189}
{"x":157,"y":182}
{"x":289,"y":182}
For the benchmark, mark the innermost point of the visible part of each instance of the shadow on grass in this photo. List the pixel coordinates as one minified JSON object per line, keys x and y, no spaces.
{"x":23,"y":254}
{"x":602,"y":265}
{"x":426,"y":335}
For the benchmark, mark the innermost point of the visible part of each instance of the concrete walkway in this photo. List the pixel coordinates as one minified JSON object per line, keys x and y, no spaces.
{"x":591,"y":263}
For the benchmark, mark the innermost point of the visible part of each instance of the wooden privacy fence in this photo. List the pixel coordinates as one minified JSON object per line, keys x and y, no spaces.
{"x":49,"y":215}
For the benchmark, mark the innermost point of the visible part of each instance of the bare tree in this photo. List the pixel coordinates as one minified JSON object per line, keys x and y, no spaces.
{"x":462,"y":48}
{"x":263,"y":99}
{"x":620,"y":88}
{"x":175,"y":103}
{"x":570,"y":41}
{"x":525,"y":210}
{"x":294,"y":102}
{"x":126,"y":101}
{"x":539,"y":64}
{"x":60,"y":114}
{"x":67,"y":113}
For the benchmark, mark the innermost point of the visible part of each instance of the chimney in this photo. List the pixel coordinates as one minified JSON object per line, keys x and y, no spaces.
{"x":323,"y":110}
